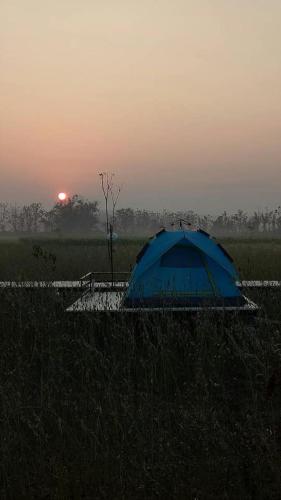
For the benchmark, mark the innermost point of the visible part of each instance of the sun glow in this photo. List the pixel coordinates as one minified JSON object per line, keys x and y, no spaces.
{"x":62,"y":196}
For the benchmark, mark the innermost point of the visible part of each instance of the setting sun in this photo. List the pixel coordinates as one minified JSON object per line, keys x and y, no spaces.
{"x":62,"y":196}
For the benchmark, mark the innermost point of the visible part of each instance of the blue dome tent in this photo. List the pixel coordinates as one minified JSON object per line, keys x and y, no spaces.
{"x":183,"y":268}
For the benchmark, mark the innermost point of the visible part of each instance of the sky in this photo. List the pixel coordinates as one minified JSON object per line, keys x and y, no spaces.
{"x":180,"y":99}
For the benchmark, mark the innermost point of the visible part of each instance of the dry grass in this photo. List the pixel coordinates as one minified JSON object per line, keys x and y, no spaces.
{"x":256,"y":259}
{"x":142,"y":407}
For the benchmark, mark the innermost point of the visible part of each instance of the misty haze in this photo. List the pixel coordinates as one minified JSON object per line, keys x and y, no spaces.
{"x":140,"y":249}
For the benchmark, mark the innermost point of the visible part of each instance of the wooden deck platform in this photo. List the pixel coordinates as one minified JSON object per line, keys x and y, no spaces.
{"x":110,"y":301}
{"x":103,"y":297}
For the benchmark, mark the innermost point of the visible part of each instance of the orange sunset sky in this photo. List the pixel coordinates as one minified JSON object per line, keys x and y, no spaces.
{"x":181,"y":99}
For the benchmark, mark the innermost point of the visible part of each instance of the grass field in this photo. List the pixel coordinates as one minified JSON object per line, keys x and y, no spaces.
{"x":29,"y":258}
{"x":135,"y":408}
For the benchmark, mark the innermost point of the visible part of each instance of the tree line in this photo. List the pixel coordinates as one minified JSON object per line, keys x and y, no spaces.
{"x":79,"y":215}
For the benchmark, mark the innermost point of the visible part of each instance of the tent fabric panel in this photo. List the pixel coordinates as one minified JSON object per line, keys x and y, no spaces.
{"x":159,"y":246}
{"x":142,"y":252}
{"x":226,"y":284}
{"x":158,"y":301}
{"x":153,"y":278}
{"x":171,"y":282}
{"x":181,"y":256}
{"x":210,"y":247}
{"x":225,"y":252}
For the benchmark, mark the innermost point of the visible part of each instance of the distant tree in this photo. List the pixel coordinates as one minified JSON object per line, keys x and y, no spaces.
{"x":205,"y":222}
{"x":239,"y":221}
{"x":32,"y":217}
{"x":74,"y":215}
{"x":79,"y":215}
{"x":278,"y":219}
{"x":4,"y":216}
{"x":111,"y":193}
{"x":146,"y":221}
{"x":15,"y":218}
{"x":254,"y":222}
{"x":125,"y":219}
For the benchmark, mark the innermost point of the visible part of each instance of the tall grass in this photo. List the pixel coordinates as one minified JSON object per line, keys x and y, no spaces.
{"x":256,"y":259}
{"x":137,"y":407}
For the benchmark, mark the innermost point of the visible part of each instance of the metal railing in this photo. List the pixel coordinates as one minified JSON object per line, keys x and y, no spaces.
{"x":103,"y":279}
